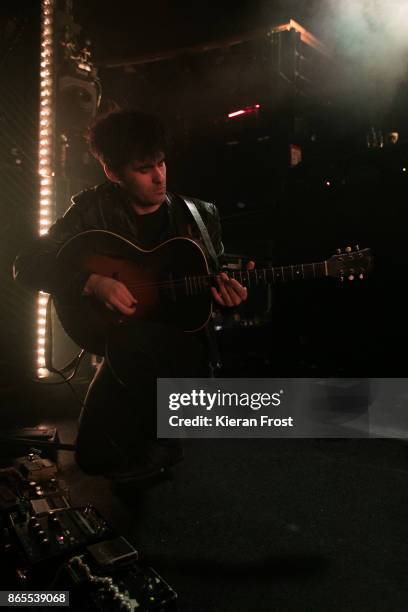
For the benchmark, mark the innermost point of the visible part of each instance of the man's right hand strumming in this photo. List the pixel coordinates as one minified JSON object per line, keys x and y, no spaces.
{"x":114,"y":294}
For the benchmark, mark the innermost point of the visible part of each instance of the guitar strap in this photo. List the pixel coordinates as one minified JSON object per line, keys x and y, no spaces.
{"x":179,"y":219}
{"x":202,"y":229}
{"x":215,"y":360}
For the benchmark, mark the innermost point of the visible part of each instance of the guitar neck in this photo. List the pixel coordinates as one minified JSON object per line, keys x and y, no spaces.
{"x":280,"y":274}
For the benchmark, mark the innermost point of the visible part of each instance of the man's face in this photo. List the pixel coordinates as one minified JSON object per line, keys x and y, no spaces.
{"x":145,"y":180}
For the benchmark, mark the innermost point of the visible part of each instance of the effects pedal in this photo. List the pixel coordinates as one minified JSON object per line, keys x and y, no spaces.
{"x":34,"y":467}
{"x":18,"y":441}
{"x":47,"y":496}
{"x":57,"y":534}
{"x":111,"y":587}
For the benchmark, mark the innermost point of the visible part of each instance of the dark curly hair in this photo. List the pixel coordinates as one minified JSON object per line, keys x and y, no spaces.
{"x":121,"y":136}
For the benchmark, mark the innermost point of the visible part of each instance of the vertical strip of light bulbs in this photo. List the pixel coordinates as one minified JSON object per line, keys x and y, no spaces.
{"x":45,"y":160}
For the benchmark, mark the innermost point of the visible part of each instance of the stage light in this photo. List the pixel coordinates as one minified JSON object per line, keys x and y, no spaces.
{"x":236,"y":113}
{"x":248,"y":110}
{"x":46,"y":173}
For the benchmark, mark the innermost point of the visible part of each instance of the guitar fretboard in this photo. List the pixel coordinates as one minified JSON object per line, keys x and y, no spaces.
{"x":280,"y":274}
{"x":263,"y":276}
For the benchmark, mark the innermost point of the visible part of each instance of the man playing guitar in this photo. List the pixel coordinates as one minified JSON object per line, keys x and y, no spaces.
{"x":116,"y":429}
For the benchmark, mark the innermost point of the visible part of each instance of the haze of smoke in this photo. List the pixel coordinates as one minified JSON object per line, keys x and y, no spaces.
{"x":371,"y":38}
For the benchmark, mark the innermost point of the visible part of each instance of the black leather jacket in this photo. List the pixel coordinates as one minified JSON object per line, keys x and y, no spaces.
{"x":103,"y":207}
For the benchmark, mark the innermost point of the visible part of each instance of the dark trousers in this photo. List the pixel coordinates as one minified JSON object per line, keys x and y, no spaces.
{"x":117,"y":426}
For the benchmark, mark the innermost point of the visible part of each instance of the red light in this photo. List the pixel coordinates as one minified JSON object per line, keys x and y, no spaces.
{"x":240,"y":112}
{"x":248,"y":110}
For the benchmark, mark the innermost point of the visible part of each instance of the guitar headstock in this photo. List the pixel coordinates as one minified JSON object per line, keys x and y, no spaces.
{"x":350,"y":265}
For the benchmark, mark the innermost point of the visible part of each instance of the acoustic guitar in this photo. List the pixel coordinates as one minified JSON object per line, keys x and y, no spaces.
{"x":170,"y":282}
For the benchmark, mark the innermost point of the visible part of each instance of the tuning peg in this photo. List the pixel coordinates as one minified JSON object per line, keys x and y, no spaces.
{"x":351,"y":277}
{"x":361,"y":276}
{"x":338,"y":251}
{"x":348,"y":249}
{"x":357,"y":247}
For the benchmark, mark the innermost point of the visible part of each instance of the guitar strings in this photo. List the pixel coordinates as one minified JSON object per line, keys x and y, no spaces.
{"x":201,"y":280}
{"x":191,"y":280}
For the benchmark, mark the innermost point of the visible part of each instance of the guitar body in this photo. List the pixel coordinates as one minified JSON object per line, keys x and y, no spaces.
{"x":159,"y":280}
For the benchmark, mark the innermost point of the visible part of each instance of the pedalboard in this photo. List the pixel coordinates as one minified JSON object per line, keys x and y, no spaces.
{"x":47,"y":542}
{"x":56,"y":534}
